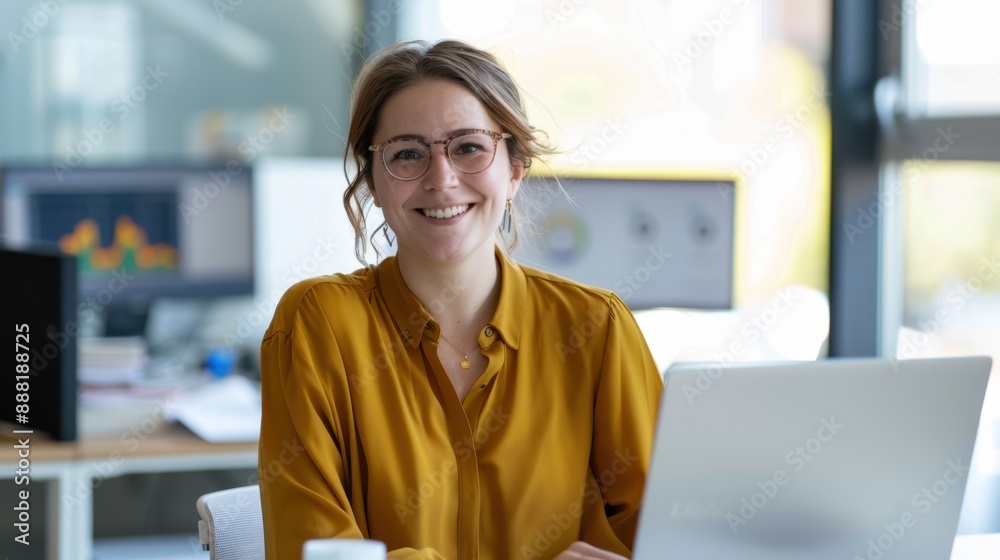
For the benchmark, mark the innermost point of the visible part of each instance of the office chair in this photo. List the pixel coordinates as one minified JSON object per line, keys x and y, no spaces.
{"x":231,"y":525}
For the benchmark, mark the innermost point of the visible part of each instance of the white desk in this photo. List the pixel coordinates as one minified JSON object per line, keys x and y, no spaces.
{"x":73,"y":467}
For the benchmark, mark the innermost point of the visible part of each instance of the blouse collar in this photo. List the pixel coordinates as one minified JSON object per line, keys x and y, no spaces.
{"x":412,"y":319}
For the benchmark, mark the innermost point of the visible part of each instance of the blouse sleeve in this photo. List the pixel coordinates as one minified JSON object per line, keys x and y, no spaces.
{"x":628,"y":395}
{"x":302,"y":466}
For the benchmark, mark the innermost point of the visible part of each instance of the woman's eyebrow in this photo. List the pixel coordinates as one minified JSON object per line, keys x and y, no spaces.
{"x":406,"y":136}
{"x":413,"y":136}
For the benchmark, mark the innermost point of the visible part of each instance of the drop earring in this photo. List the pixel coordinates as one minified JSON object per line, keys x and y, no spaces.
{"x":385,"y":233}
{"x":506,"y":220}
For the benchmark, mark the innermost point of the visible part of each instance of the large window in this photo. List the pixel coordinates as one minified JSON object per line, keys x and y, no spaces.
{"x":940,"y":194}
{"x":89,"y":82}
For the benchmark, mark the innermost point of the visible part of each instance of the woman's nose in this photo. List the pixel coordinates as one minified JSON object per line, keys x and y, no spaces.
{"x":440,"y":173}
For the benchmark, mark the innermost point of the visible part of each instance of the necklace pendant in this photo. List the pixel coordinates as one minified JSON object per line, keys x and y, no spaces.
{"x":466,"y":364}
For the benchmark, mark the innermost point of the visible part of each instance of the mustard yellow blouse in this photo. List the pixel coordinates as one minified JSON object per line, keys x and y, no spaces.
{"x":364,"y":436}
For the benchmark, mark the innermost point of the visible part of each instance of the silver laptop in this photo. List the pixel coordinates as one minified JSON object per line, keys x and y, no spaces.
{"x":834,"y":459}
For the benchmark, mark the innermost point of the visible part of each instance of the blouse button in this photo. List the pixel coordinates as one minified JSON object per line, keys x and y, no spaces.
{"x":489,"y":331}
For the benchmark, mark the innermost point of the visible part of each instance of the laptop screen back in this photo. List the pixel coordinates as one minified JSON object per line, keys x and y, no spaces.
{"x":835,"y":459}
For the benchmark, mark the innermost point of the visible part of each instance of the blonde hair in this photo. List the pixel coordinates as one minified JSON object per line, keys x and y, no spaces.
{"x":403,"y":64}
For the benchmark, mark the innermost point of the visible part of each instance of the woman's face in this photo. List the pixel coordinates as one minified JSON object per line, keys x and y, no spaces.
{"x":433,"y":111}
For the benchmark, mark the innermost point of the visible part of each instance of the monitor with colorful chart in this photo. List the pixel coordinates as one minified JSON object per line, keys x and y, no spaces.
{"x":139,"y":232}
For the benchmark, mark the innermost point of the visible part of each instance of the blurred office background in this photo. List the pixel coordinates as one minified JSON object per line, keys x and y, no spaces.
{"x":865,"y":135}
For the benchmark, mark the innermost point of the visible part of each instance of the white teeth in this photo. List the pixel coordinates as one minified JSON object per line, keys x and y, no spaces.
{"x":442,"y":213}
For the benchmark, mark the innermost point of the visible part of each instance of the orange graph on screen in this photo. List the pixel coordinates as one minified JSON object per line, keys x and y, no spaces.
{"x":129,"y":250}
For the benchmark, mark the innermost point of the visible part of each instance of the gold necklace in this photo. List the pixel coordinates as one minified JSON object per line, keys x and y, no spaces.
{"x":465,"y":363}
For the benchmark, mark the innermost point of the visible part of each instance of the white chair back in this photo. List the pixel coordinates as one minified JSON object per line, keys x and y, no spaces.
{"x":231,"y":525}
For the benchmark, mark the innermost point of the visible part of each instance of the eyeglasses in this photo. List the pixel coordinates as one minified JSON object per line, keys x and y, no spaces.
{"x":470,"y":151}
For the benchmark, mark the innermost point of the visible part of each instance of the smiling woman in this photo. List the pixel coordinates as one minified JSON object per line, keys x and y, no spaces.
{"x":480,"y":90}
{"x":441,"y":211}
{"x":387,"y":374}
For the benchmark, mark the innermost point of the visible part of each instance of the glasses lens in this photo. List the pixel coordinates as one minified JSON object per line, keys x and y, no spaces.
{"x":472,"y":153}
{"x":405,"y":159}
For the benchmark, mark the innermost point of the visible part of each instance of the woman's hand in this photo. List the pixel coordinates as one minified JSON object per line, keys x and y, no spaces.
{"x":583,"y":551}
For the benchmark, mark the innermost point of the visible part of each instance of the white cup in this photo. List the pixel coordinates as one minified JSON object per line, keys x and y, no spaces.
{"x":343,"y":549}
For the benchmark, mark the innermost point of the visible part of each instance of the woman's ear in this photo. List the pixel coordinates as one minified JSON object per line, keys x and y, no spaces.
{"x":374,"y":192}
{"x":516,"y":175}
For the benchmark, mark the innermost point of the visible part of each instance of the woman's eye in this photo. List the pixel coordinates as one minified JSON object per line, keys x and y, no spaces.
{"x":407,"y":154}
{"x":468,"y":148}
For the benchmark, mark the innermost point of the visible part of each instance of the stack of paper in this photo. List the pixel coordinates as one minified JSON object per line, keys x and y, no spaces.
{"x":111,"y":360}
{"x":226,"y":410}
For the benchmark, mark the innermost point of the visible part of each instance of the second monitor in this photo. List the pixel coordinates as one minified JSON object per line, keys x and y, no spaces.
{"x":656,"y":243}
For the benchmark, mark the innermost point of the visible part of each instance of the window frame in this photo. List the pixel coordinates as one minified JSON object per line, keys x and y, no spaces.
{"x":907,"y":135}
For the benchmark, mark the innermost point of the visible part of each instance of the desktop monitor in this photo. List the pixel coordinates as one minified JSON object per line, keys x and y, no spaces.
{"x":656,"y":243}
{"x":139,"y":232}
